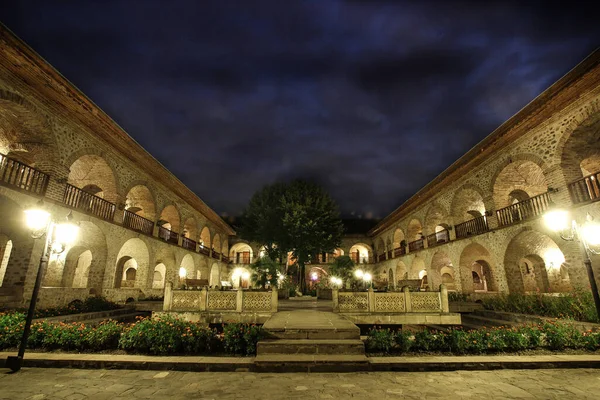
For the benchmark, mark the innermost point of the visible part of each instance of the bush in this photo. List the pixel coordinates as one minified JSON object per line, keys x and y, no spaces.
{"x":404,"y":341}
{"x":380,"y":340}
{"x":105,"y":336}
{"x":241,"y":339}
{"x":11,"y":329}
{"x":577,"y":305}
{"x":91,"y":304}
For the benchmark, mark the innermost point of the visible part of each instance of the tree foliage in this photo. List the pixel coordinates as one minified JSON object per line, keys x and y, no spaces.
{"x":299,"y":217}
{"x":343,"y":267}
{"x":264,"y":270}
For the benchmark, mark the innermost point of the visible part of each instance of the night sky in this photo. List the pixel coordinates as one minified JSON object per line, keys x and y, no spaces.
{"x":371,"y":99}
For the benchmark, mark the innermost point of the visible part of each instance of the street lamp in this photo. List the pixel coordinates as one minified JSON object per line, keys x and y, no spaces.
{"x":367,"y":278}
{"x":587,"y":234}
{"x":335,"y":281}
{"x":58,"y":237}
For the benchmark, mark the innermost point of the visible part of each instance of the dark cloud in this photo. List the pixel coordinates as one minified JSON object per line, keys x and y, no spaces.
{"x":372,"y":99}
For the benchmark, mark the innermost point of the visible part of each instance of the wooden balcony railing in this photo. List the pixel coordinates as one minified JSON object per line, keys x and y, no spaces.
{"x":381,"y":257}
{"x":216,"y":254}
{"x":585,"y":189}
{"x":416,"y":245}
{"x":137,"y":223}
{"x":438,"y":238}
{"x":203,"y":250}
{"x":225,"y":259}
{"x":89,"y":203}
{"x":389,"y":254}
{"x":13,"y":173}
{"x":188,"y":243}
{"x":242,"y":257}
{"x":472,"y":227}
{"x":399,"y":251}
{"x":357,"y":259}
{"x":522,"y":210}
{"x":168,"y":235}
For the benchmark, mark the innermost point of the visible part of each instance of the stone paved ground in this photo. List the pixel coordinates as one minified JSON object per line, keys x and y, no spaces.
{"x":34,"y":383}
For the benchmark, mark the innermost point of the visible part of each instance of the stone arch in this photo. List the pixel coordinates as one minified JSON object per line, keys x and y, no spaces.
{"x":25,"y":132}
{"x":140,"y":201}
{"x":477,"y":258}
{"x":442,"y":264}
{"x":240,"y":277}
{"x":165,"y":255}
{"x":133,"y":254}
{"x":435,"y":216}
{"x":224,"y":245}
{"x":418,"y":264}
{"x":533,"y":262}
{"x":380,"y":248}
{"x":205,"y":236}
{"x":361,"y":253}
{"x":580,"y":141}
{"x":170,"y":218}
{"x":398,"y":238}
{"x":414,"y":231}
{"x":520,"y":174}
{"x":187,"y":267}
{"x":190,"y":229}
{"x":401,"y":271}
{"x":216,"y":242}
{"x":12,"y":228}
{"x":215,"y":275}
{"x":159,"y":276}
{"x":467,"y":203}
{"x":241,"y":253}
{"x":89,"y":171}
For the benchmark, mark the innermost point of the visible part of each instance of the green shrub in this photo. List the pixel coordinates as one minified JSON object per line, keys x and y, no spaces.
{"x":404,"y":341}
{"x":241,"y":338}
{"x":380,"y":340}
{"x":11,"y":329}
{"x":105,"y":336}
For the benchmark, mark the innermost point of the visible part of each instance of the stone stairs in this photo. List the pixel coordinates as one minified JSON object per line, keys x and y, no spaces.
{"x":476,"y":321}
{"x":307,"y":340}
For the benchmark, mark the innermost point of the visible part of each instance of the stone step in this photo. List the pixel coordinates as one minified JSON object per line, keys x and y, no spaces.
{"x":310,"y":363}
{"x":309,"y":346}
{"x":477,"y":320}
{"x":127,"y":317}
{"x":316,"y":333}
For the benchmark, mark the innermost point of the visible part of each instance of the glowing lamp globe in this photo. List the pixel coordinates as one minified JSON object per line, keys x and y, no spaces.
{"x":557,"y":220}
{"x":359,"y":273}
{"x":37,"y":219}
{"x":367,"y":277}
{"x":182,"y":272}
{"x":590,"y":231}
{"x":66,"y":233}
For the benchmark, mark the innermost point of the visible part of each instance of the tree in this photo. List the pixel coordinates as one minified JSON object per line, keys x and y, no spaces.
{"x":299,"y":217}
{"x":265,"y":270}
{"x":343,"y":268}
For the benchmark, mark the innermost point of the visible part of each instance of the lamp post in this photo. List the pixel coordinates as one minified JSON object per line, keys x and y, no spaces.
{"x":58,"y":236}
{"x":367,"y":278}
{"x":587,"y":234}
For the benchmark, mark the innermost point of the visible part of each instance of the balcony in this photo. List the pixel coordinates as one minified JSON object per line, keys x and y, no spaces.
{"x":18,"y":175}
{"x":418,"y":244}
{"x":242,"y":257}
{"x":585,"y":189}
{"x":225,"y":259}
{"x":358,"y":259}
{"x":88,"y":203}
{"x":399,"y":251}
{"x":475,"y":226}
{"x":522,"y":210}
{"x":216,"y":254}
{"x":188,"y":243}
{"x":168,"y":235}
{"x":137,"y":223}
{"x":381,"y":257}
{"x":441,"y":237}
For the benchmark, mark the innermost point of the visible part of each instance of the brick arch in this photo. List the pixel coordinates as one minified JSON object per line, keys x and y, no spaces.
{"x":415,"y":226}
{"x":398,"y":237}
{"x":170,"y":213}
{"x":81,"y":160}
{"x":191,"y":225}
{"x":459,"y":208}
{"x":436,"y":215}
{"x":472,"y":253}
{"x":380,"y":249}
{"x":206,"y":236}
{"x":582,"y":143}
{"x":165,"y":256}
{"x":34,"y":141}
{"x":149,"y":197}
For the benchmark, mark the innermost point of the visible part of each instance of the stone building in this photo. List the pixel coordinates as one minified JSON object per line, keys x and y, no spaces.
{"x":139,"y":225}
{"x":478,"y":226}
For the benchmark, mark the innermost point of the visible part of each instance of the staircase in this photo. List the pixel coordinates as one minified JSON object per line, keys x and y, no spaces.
{"x":310,"y":341}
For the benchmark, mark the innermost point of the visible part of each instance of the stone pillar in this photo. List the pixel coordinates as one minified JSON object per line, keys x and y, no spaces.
{"x":58,"y":178}
{"x":239,"y":300}
{"x":556,"y":180}
{"x":490,"y":208}
{"x":371,"y":300}
{"x":274,"y":300}
{"x":444,"y":299}
{"x":407,"y":300}
{"x":203,"y":299}
{"x":334,"y":298}
{"x":168,"y":301}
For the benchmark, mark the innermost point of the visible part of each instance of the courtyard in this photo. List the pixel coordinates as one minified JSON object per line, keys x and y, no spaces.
{"x":109,"y":384}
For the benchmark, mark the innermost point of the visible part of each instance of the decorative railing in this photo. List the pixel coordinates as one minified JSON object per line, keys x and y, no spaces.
{"x":168,"y":235}
{"x":522,"y":210}
{"x":225,"y":259}
{"x":216,"y":254}
{"x":188,"y":243}
{"x":391,"y":302}
{"x":89,"y":203}
{"x":399,"y":251}
{"x":438,"y":238}
{"x":585,"y":189}
{"x":416,"y":245}
{"x":16,"y":174}
{"x":219,"y":301}
{"x":381,"y":257}
{"x":137,"y":223}
{"x":389,"y":254}
{"x":472,"y":227}
{"x":242,"y":258}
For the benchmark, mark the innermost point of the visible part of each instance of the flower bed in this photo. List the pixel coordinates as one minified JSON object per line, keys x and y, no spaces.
{"x":91,"y":304}
{"x":146,"y":336}
{"x":553,"y":336}
{"x":577,"y":305}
